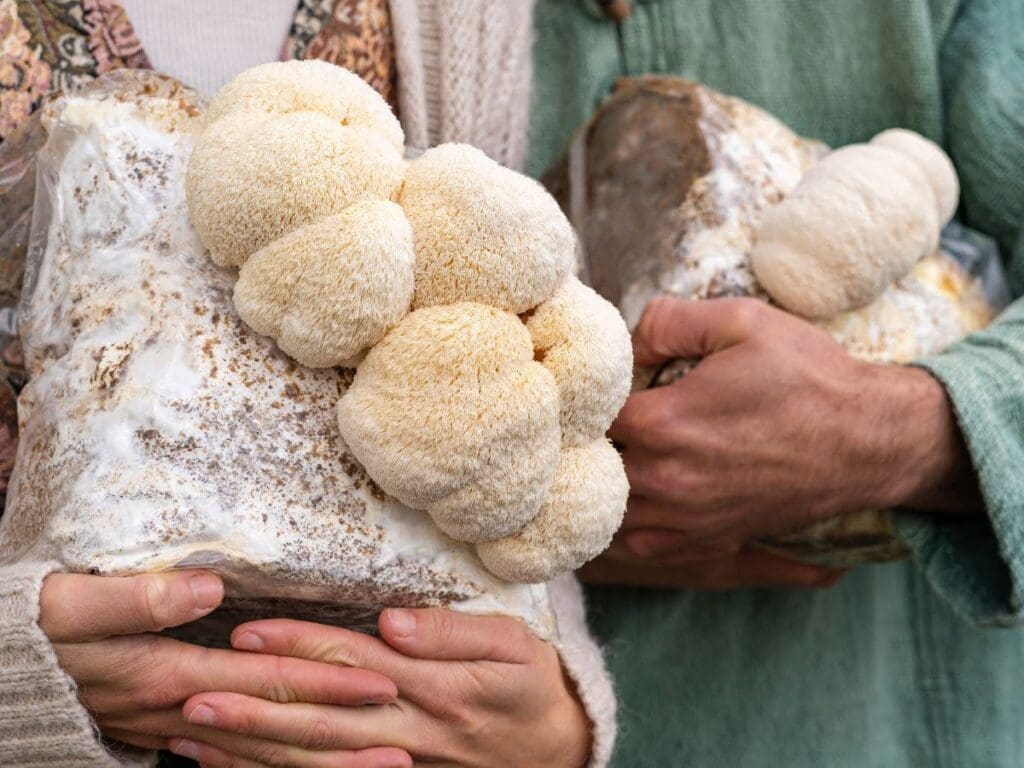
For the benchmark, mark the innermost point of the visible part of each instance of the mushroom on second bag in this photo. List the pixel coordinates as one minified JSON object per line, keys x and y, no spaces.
{"x":483,"y":232}
{"x":328,"y":291}
{"x":450,"y":413}
{"x":583,"y":340}
{"x":933,"y":161}
{"x":583,"y":510}
{"x":858,"y":221}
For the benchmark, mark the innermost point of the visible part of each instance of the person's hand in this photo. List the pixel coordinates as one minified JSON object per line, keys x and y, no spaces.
{"x":474,"y":692}
{"x":774,"y":429}
{"x":134,"y":684}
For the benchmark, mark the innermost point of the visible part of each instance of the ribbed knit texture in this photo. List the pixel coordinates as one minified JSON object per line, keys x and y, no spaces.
{"x":464,"y":73}
{"x":889,"y":668}
{"x":41,"y":721}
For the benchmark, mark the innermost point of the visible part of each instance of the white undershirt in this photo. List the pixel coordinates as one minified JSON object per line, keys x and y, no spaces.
{"x":205,"y":43}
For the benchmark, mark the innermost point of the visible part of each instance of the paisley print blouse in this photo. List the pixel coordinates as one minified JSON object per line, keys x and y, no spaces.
{"x":51,"y":45}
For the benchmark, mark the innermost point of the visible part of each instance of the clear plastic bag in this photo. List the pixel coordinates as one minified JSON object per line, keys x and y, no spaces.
{"x":158,"y":431}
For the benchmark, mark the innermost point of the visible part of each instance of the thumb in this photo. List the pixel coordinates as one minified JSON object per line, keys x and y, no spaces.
{"x":78,"y":608}
{"x":672,"y":327}
{"x":441,"y":634}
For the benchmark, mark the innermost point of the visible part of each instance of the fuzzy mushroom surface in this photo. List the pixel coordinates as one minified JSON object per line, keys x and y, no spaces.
{"x":253,"y":178}
{"x":284,"y":87}
{"x":933,"y":162}
{"x":483,"y":233}
{"x":857,"y":221}
{"x":583,"y":340}
{"x":584,"y":508}
{"x":483,"y":367}
{"x":450,"y":413}
{"x":330,"y":290}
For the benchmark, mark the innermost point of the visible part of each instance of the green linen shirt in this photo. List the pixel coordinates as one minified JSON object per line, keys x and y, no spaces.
{"x":899,"y":664}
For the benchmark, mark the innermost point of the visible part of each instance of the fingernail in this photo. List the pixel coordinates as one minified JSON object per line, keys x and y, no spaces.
{"x":403,"y":623}
{"x":247,"y":641}
{"x":207,"y":590}
{"x":202,"y":715}
{"x":184,"y":748}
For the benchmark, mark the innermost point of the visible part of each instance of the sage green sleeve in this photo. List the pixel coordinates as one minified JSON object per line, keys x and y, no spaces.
{"x":978,"y":566}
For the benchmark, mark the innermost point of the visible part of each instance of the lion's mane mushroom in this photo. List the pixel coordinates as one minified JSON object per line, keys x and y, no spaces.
{"x":308,"y":86}
{"x":331,"y":289}
{"x":450,"y":413}
{"x":583,"y":510}
{"x":482,"y":232}
{"x":935,"y":164}
{"x":254,"y":177}
{"x":460,"y":408}
{"x":583,"y":340}
{"x":856,"y":222}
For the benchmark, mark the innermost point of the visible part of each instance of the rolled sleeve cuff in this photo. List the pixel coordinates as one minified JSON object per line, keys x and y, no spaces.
{"x":977,"y":564}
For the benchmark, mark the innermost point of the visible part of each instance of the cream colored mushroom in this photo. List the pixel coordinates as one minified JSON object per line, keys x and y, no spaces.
{"x":250,"y":181}
{"x":583,"y":510}
{"x":935,"y":164}
{"x":858,"y":220}
{"x":284,"y":87}
{"x":328,"y":291}
{"x":583,"y":340}
{"x":482,"y":232}
{"x":450,"y":413}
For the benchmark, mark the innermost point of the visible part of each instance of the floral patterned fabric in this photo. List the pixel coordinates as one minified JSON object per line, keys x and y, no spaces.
{"x":355,"y":34}
{"x":52,"y":45}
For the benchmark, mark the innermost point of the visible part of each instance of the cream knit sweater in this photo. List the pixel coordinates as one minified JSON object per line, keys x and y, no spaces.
{"x":464,"y":73}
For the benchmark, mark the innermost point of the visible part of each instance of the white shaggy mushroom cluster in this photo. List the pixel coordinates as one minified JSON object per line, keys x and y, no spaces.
{"x":486,"y":374}
{"x":858,"y":221}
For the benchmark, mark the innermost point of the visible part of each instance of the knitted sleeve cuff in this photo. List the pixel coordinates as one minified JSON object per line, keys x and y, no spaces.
{"x":42,"y":723}
{"x":585,"y":665}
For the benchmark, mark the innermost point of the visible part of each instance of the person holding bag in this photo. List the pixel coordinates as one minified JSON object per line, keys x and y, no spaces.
{"x":87,"y":680}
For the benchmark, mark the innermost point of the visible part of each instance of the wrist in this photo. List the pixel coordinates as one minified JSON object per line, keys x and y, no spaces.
{"x":924,"y":463}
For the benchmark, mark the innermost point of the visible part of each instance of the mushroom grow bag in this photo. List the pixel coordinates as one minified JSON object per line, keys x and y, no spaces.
{"x":158,"y":431}
{"x":666,"y":185}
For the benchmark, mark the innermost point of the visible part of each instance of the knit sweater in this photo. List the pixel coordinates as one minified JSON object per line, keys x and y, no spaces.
{"x":892,"y":667}
{"x":472,"y":96}
{"x":464,"y":73}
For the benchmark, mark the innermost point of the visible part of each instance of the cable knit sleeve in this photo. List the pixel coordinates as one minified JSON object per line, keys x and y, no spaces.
{"x":464,"y":70}
{"x":42,"y":722}
{"x":584,"y":663}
